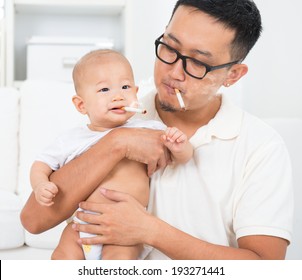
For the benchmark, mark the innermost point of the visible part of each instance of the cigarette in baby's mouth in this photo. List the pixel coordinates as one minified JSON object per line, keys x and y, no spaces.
{"x":179,"y":98}
{"x":135,"y":110}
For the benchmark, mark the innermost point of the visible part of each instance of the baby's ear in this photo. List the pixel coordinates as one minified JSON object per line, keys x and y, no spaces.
{"x":136,"y":88}
{"x":79,"y":104}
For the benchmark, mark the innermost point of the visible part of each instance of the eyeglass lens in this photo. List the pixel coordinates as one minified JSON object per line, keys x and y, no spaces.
{"x":191,"y":66}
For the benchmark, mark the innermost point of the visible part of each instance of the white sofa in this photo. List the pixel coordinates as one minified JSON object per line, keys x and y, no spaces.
{"x":32,"y":117}
{"x":35,"y":114}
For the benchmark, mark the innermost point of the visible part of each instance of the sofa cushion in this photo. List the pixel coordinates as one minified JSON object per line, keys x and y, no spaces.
{"x":9,"y":116}
{"x":11,"y":233}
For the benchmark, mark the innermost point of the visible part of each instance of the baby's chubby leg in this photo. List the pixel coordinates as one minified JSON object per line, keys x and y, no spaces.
{"x":68,"y":247}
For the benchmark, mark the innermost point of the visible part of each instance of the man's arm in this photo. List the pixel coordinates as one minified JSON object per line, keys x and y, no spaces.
{"x":76,"y":180}
{"x":179,"y":245}
{"x":139,"y":226}
{"x":79,"y":178}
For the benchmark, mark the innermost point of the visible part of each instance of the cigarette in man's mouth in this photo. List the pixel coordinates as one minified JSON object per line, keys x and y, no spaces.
{"x":135,"y":110}
{"x":179,"y":98}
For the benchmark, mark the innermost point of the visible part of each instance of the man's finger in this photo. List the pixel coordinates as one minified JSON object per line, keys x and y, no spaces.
{"x":114,"y":195}
{"x":151,"y":168}
{"x":92,"y":206}
{"x":162,"y":163}
{"x":92,"y":240}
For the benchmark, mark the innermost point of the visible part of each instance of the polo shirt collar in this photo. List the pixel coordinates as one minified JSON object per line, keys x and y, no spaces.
{"x":225,"y":125}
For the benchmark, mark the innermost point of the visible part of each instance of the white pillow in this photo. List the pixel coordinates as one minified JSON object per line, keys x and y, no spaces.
{"x":9,"y":117}
{"x":11,"y":233}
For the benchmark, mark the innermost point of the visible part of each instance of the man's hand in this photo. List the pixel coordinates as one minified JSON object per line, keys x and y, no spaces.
{"x":125,"y":222}
{"x":144,"y":145}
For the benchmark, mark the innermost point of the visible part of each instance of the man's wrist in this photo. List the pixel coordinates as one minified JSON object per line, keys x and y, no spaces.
{"x":151,"y":236}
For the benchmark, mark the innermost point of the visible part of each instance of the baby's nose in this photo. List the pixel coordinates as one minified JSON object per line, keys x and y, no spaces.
{"x":118,"y":97}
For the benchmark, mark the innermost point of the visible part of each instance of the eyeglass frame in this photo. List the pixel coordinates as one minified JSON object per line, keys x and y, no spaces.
{"x":208,"y":67}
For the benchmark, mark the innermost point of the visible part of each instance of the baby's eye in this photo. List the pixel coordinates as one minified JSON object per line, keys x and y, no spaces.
{"x":125,"y":87}
{"x":104,"y":90}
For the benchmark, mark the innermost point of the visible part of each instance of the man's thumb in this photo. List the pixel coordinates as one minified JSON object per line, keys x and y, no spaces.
{"x":114,"y":195}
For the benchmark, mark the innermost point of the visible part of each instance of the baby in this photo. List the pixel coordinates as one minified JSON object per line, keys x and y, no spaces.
{"x":105,"y":88}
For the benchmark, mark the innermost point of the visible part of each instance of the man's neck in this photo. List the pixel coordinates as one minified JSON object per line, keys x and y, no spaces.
{"x":189,"y":121}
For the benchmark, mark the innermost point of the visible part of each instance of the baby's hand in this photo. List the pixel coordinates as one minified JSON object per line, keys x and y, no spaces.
{"x":174,"y":139}
{"x":45,"y":192}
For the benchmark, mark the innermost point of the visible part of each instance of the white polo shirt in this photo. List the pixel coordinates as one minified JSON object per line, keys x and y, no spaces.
{"x":238,"y":182}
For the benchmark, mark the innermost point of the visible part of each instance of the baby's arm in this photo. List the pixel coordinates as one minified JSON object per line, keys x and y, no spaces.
{"x":178,"y":144}
{"x":44,"y":190}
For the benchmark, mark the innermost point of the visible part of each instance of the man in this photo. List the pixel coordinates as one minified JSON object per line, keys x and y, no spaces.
{"x":233,"y":200}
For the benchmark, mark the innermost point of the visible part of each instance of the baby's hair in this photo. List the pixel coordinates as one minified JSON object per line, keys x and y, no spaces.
{"x":92,"y":57}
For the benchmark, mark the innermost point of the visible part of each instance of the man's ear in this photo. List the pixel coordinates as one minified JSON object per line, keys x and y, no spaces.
{"x":79,"y":104}
{"x":235,"y":73}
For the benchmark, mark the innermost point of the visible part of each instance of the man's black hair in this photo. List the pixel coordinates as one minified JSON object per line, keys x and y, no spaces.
{"x":242,"y":16}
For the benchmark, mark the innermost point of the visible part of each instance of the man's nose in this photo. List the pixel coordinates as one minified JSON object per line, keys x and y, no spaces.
{"x":177,"y":71}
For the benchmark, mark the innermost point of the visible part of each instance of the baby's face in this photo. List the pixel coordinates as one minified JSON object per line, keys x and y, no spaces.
{"x":108,"y":86}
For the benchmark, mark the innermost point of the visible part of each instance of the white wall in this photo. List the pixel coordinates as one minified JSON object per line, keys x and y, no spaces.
{"x":272,"y":87}
{"x":149,"y":21}
{"x":2,"y":54}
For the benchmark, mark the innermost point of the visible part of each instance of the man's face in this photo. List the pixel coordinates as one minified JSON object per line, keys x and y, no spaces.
{"x":197,"y":35}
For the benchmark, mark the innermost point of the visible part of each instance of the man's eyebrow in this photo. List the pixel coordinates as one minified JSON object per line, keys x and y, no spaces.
{"x":201,"y":52}
{"x":173,"y":38}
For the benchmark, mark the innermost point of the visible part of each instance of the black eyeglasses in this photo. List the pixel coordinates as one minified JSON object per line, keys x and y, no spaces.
{"x":193,"y":67}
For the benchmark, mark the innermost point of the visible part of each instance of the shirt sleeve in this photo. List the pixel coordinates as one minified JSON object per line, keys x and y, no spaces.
{"x":264,"y":201}
{"x":53,"y":155}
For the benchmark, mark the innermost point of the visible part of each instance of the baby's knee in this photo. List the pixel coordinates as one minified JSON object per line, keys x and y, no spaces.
{"x":59,"y":254}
